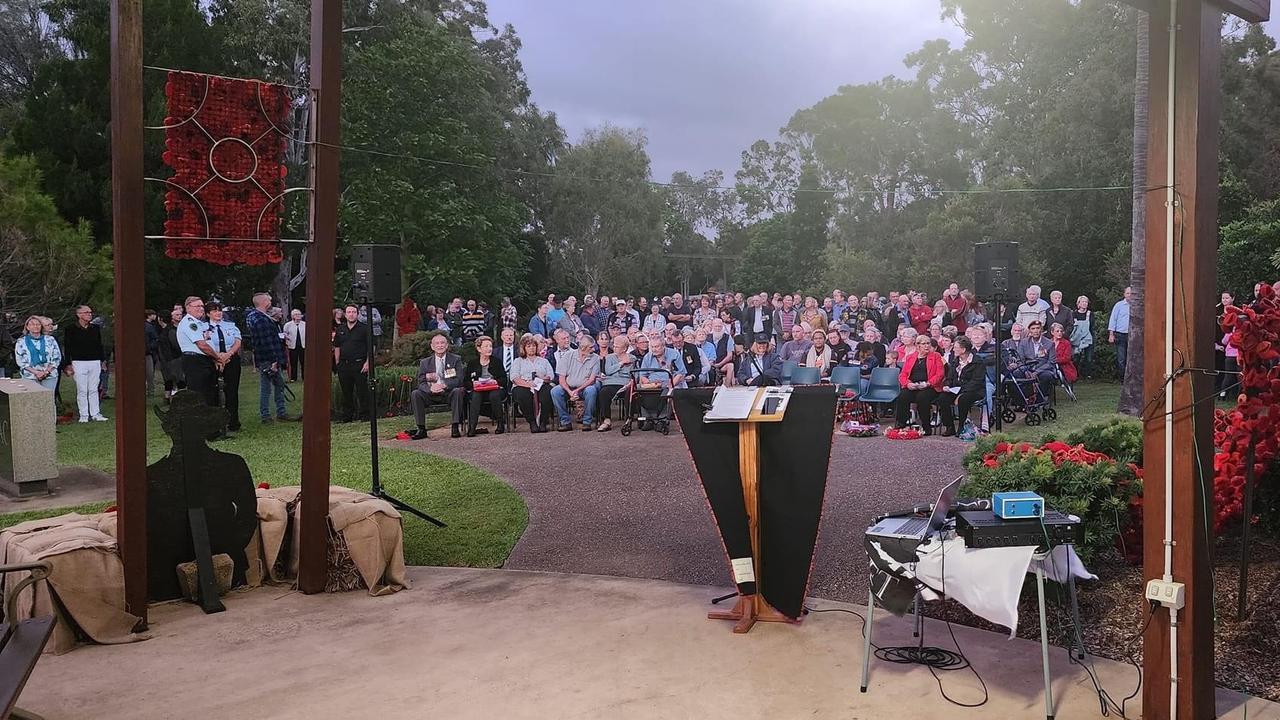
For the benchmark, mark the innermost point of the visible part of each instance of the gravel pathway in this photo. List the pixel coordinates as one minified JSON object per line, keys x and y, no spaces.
{"x":604,"y":504}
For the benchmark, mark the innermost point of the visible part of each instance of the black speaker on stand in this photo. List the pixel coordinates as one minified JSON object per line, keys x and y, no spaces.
{"x":375,"y":280}
{"x":995,"y":277}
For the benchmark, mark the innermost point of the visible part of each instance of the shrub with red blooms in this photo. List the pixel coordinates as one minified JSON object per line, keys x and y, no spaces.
{"x":1071,"y":478}
{"x":225,"y":142}
{"x":1255,"y":421}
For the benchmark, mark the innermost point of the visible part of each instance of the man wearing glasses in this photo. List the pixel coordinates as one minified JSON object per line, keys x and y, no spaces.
{"x":198,"y":356}
{"x":85,"y":357}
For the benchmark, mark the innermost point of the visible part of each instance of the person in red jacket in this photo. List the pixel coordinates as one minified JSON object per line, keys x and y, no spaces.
{"x":921,"y":381}
{"x":1062,"y":347}
{"x":408,"y":317}
{"x":919,"y":314}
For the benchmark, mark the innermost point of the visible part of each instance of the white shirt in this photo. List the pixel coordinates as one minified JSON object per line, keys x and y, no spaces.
{"x":295,"y":334}
{"x":508,"y":355}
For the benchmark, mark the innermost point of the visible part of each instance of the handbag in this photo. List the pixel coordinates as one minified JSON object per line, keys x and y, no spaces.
{"x":484,"y":385}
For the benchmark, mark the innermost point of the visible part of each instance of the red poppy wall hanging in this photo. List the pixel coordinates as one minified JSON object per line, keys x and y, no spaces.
{"x":225,"y":142}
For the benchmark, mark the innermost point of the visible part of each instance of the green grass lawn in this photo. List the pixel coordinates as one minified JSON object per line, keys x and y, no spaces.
{"x":1095,"y":403}
{"x":485,"y":516}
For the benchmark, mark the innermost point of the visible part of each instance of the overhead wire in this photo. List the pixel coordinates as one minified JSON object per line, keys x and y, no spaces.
{"x":700,"y":186}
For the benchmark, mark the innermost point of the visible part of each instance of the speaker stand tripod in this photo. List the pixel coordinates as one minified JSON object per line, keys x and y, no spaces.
{"x":377,"y":490}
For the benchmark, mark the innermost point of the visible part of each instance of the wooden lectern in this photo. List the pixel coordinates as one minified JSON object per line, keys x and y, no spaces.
{"x":752,"y":608}
{"x":765,"y":478}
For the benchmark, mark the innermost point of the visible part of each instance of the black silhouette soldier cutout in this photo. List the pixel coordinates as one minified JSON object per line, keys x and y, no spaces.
{"x":200,"y":502}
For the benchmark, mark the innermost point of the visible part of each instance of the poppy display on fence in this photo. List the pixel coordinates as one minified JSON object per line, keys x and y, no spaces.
{"x":225,"y":142}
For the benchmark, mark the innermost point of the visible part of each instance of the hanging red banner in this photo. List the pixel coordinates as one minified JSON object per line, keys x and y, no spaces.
{"x":225,"y":142}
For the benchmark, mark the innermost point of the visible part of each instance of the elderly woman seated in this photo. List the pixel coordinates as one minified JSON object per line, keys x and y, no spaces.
{"x":921,"y":379}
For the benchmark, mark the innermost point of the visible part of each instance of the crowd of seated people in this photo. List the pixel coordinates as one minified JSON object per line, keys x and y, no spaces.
{"x":576,"y":362}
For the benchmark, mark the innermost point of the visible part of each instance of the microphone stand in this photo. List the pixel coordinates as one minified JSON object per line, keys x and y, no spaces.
{"x":377,"y":490}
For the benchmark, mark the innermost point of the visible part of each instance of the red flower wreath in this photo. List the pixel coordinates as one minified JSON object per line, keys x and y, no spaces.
{"x":903,"y":434}
{"x":225,"y":141}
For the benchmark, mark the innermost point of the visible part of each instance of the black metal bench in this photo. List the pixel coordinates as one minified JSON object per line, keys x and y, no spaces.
{"x":21,"y":642}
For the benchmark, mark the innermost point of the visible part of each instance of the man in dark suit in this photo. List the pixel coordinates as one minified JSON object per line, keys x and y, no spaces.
{"x":440,"y":380}
{"x":760,"y":366}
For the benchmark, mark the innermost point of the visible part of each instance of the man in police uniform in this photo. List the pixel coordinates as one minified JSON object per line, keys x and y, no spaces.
{"x":225,"y":339}
{"x":198,"y":357}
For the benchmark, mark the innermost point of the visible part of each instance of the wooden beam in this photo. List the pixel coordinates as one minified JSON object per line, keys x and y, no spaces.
{"x":326,"y":90}
{"x":1183,"y":312}
{"x":1255,"y":11}
{"x":127,"y":213}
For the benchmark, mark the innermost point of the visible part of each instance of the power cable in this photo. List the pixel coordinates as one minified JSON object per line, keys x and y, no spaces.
{"x":723,"y":188}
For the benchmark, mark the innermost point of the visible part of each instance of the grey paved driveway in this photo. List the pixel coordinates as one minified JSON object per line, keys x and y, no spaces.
{"x":603,"y":504}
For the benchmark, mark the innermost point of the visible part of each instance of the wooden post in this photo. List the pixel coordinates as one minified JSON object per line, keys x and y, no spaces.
{"x":326,"y":88}
{"x":1183,"y":313}
{"x":127,"y":213}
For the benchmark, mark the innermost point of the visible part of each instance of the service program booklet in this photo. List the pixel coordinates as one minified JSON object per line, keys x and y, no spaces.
{"x":731,"y":404}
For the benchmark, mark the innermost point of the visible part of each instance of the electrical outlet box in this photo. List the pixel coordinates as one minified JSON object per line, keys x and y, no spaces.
{"x":1170,"y":594}
{"x":1008,"y":505}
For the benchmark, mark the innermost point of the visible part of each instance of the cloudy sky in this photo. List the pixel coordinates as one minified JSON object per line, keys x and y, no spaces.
{"x":706,"y":78}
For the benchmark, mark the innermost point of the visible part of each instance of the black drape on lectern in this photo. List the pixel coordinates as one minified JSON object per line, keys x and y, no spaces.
{"x":794,"y":458}
{"x":714,"y":447}
{"x":795,"y":455}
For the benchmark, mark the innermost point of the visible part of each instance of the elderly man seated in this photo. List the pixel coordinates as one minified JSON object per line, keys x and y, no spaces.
{"x":577,"y":372}
{"x":1038,"y":357}
{"x":439,"y":382}
{"x":668,"y":371}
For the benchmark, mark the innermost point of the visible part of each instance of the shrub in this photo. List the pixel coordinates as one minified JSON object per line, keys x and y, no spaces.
{"x":1104,"y":359}
{"x":409,"y":349}
{"x":1071,"y":479}
{"x":394,"y":387}
{"x":1120,"y":439}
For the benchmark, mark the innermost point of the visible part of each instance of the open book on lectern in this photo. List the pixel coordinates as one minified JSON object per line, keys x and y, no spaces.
{"x":736,"y":404}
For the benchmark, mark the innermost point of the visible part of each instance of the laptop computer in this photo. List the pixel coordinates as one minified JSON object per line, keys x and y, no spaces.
{"x":901,"y":535}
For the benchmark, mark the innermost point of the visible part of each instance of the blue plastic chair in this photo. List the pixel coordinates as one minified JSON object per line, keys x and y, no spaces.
{"x":805,"y":376}
{"x":884,"y":386}
{"x":846,"y":377}
{"x":788,"y":367}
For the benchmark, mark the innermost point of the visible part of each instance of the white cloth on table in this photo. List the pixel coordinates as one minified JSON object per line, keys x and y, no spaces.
{"x":988,"y":581}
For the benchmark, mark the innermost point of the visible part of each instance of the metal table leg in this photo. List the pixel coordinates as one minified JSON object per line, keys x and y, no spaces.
{"x":1075,"y":616}
{"x":1044,"y":637}
{"x":866,"y":646}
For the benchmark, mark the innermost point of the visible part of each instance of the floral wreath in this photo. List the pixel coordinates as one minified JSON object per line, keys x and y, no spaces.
{"x":904,"y":434}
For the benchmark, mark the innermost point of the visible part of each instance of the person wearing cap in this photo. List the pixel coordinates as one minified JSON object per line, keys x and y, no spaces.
{"x":760,"y":365}
{"x":225,"y":339}
{"x":621,"y":317}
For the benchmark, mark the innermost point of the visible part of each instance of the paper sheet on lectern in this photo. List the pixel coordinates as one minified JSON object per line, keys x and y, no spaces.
{"x":731,"y":404}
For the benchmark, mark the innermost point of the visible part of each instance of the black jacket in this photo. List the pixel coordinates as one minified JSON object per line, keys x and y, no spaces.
{"x":472,"y":372}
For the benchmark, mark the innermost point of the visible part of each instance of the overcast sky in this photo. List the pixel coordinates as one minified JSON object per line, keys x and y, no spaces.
{"x":706,"y":78}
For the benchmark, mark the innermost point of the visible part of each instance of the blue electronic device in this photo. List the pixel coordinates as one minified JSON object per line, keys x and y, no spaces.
{"x":1008,"y":505}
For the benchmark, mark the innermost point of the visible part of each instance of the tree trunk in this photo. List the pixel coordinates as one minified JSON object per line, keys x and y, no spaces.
{"x":1131,"y":392}
{"x":280,"y":290}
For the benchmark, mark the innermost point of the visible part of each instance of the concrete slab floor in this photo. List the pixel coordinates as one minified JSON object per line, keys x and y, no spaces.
{"x":467,"y":643}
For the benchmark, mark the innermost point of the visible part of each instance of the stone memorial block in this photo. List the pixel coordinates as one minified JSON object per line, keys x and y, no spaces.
{"x":28,"y":439}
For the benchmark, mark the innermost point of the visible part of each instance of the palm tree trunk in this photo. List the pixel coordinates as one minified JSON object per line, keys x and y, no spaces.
{"x":1131,"y":392}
